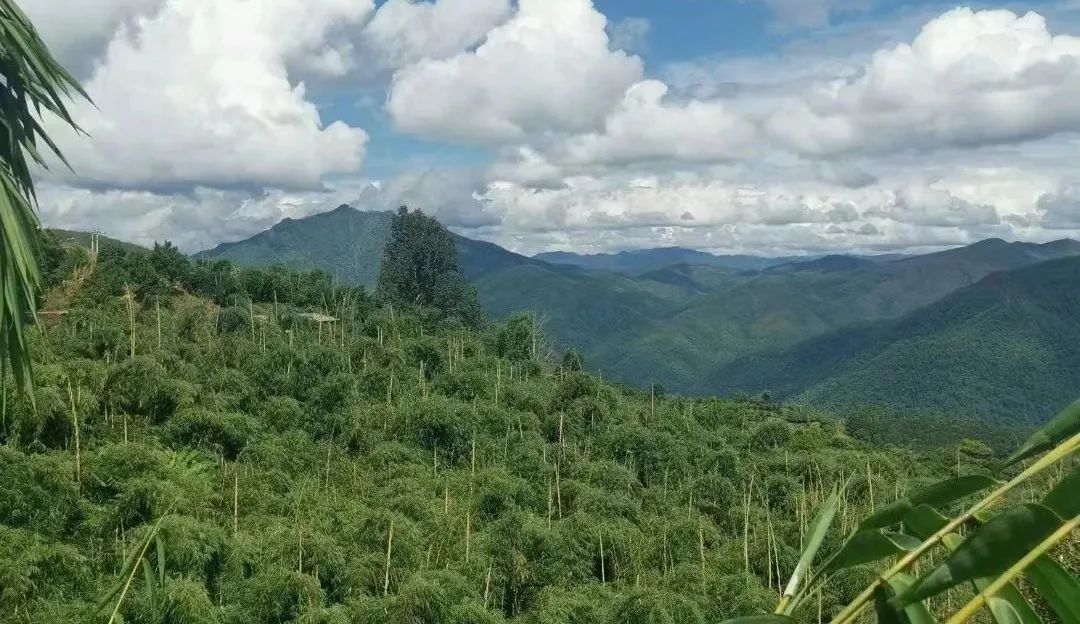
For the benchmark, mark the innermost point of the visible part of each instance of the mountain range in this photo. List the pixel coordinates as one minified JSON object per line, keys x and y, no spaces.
{"x":975,"y":328}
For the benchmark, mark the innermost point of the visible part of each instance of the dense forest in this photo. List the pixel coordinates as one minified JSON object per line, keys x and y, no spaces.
{"x":307,"y":452}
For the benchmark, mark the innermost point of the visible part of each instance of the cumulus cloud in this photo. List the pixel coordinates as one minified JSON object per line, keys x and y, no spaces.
{"x":968,"y":79}
{"x":189,"y":99}
{"x":926,"y":205}
{"x":645,"y":125}
{"x":452,"y":196}
{"x":549,"y":68}
{"x":1061,"y":208}
{"x":629,"y":33}
{"x":404,"y":32}
{"x":78,"y":31}
{"x":195,"y":221}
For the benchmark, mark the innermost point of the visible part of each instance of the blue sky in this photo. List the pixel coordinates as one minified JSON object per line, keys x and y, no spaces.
{"x":752,"y":126}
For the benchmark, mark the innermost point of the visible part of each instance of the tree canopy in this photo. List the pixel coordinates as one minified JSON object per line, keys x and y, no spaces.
{"x":420,"y":269}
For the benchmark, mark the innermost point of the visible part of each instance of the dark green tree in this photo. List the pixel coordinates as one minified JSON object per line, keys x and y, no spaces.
{"x":420,"y":269}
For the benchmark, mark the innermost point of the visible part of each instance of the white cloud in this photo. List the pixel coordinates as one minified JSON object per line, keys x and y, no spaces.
{"x":450,"y":195}
{"x":194,"y":221}
{"x":645,"y":125}
{"x":1061,"y":208}
{"x":969,"y":79}
{"x":187,"y":98}
{"x":629,"y":33}
{"x":404,"y":32}
{"x":78,"y":31}
{"x":927,"y":205}
{"x":549,"y":68}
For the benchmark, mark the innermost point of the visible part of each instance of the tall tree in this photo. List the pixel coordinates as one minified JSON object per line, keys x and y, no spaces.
{"x":32,"y":84}
{"x":420,"y":268}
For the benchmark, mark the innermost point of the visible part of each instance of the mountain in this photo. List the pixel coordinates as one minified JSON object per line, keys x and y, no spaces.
{"x":708,"y":317}
{"x":644,"y":260}
{"x":1006,"y":349}
{"x":648,"y":317}
{"x":348,"y":244}
{"x":344,"y":242}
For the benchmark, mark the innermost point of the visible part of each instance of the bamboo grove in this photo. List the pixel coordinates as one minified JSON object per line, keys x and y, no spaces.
{"x":210,"y":443}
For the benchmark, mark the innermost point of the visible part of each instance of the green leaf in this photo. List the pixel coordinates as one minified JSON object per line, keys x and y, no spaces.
{"x":989,"y":551}
{"x":884,"y":611}
{"x":937,"y":495}
{"x":1064,"y":499}
{"x":867,"y":546}
{"x":819,"y":528}
{"x":761,"y":619}
{"x":1059,"y":589}
{"x":924,"y":521}
{"x":1009,"y":606}
{"x":1062,"y":426}
{"x":916,"y":613}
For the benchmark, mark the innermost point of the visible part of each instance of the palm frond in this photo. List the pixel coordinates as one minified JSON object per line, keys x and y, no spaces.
{"x":33,"y":84}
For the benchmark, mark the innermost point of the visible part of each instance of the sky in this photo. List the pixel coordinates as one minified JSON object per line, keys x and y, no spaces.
{"x":732,"y":126}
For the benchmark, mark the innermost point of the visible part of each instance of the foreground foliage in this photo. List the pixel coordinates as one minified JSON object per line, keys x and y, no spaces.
{"x":214,"y":444}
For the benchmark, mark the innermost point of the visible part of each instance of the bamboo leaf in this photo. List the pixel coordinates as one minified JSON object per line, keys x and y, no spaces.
{"x":916,"y":613}
{"x":923,"y":521}
{"x":1064,"y":499}
{"x":936,"y":495}
{"x":868,"y":546}
{"x":1059,"y":589}
{"x":1062,"y":426}
{"x":1009,"y":606}
{"x":819,"y":528}
{"x":884,"y":611}
{"x":994,"y":547}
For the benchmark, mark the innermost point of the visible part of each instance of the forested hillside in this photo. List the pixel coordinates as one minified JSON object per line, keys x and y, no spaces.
{"x":1001,"y":350}
{"x":681,"y":318}
{"x":306,"y":454}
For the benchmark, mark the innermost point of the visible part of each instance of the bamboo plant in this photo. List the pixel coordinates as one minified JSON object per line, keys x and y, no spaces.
{"x":1002,"y":542}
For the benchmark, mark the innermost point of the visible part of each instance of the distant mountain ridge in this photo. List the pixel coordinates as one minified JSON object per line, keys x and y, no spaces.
{"x":686,"y":318}
{"x":1006,"y":348}
{"x":643,"y":260}
{"x":348,"y":244}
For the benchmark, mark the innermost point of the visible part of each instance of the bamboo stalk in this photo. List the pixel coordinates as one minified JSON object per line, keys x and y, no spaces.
{"x":389,"y":547}
{"x":603,"y":573}
{"x":78,"y":445}
{"x":468,"y":533}
{"x":856,"y":607}
{"x":236,"y":501}
{"x":487,"y":583}
{"x":1000,"y":582}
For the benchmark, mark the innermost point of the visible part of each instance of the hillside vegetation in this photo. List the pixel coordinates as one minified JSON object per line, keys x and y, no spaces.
{"x":306,"y":454}
{"x":998,"y":349}
{"x":702,"y":324}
